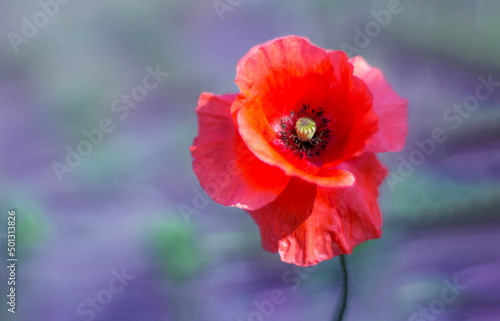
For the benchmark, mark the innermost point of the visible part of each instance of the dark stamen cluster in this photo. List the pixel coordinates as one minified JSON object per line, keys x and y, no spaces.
{"x":291,"y":141}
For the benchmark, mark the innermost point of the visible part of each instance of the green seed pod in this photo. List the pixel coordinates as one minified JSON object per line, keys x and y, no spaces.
{"x":305,"y":128}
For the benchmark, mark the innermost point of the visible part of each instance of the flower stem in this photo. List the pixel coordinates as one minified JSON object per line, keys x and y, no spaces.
{"x":343,"y":296}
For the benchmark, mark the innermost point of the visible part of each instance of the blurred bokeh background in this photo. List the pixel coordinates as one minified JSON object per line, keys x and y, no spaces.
{"x":106,"y":239}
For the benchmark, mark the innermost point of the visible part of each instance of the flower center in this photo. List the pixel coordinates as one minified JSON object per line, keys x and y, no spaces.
{"x":306,"y":133}
{"x":305,"y":128}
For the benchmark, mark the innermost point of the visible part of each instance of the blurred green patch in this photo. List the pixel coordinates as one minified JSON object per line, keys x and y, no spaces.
{"x":423,"y":199}
{"x":32,"y":225}
{"x":173,"y":244}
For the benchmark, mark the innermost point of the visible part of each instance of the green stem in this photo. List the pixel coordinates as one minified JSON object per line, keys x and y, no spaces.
{"x":343,"y":296}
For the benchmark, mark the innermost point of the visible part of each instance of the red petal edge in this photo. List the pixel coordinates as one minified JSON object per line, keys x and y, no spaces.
{"x":290,"y":62}
{"x":227,"y":170}
{"x":389,"y":107}
{"x":308,"y":224}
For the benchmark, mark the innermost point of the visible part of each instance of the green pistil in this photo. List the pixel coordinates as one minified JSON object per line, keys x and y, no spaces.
{"x":305,"y":128}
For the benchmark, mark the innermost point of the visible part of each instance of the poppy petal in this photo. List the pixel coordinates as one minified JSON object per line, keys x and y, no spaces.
{"x":355,"y":122}
{"x":279,"y":73}
{"x":269,"y":155}
{"x":389,"y":107}
{"x":284,"y":74}
{"x":227,"y":170}
{"x":254,"y":50}
{"x":308,"y":224}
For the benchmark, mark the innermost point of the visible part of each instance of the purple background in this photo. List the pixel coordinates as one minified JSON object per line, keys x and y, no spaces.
{"x":118,"y":210}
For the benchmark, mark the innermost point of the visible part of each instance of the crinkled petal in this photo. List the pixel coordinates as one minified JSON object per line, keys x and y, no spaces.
{"x":278,"y":74}
{"x":389,"y":107}
{"x":227,"y":170}
{"x":308,"y":224}
{"x":354,"y":121}
{"x":254,"y":50}
{"x":268,"y":154}
{"x":282,"y":76}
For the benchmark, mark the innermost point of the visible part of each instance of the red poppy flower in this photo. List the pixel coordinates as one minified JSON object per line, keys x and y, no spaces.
{"x":295,"y":148}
